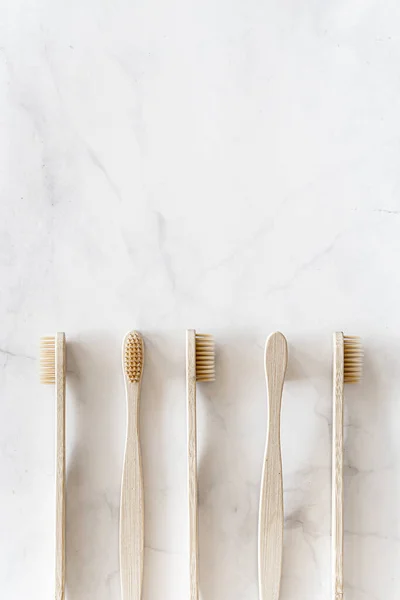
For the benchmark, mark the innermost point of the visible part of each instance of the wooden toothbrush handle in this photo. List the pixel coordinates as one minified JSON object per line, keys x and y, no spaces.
{"x":192,"y":464}
{"x":131,"y":536}
{"x":60,"y":466}
{"x":270,"y":525}
{"x":337,"y":467}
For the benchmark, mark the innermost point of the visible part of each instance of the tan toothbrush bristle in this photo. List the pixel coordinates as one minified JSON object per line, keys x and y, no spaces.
{"x":134,"y":356}
{"x":205,"y":357}
{"x":353,"y":359}
{"x":48,"y":360}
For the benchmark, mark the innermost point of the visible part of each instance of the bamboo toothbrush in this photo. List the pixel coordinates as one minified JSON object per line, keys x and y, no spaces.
{"x":131,"y":535}
{"x":270,"y":524}
{"x":347,"y":368}
{"x":53,"y":371}
{"x":200,"y":366}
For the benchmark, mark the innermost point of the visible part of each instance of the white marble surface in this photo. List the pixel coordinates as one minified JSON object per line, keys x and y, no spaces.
{"x":228,"y":166}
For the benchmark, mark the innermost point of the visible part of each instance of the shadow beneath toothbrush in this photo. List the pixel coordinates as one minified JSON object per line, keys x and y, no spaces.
{"x":230,"y":449}
{"x":163,"y":445}
{"x":371,"y":480}
{"x":306,"y":457}
{"x":95,"y":417}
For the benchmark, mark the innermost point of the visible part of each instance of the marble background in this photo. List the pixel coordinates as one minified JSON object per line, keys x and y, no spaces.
{"x":228,"y":166}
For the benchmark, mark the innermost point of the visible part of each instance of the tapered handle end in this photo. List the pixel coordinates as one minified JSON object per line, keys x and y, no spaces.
{"x":276,"y":356}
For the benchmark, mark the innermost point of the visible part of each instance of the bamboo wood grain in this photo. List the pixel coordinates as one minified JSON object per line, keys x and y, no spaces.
{"x":60,"y":372}
{"x":270,"y":525}
{"x":337,"y":466}
{"x":132,"y":505}
{"x":192,"y":463}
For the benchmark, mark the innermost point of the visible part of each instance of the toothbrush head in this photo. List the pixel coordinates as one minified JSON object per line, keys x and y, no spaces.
{"x":353,"y":359}
{"x":205,"y":357}
{"x":133,"y":356}
{"x":48,"y":360}
{"x":52,"y":357}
